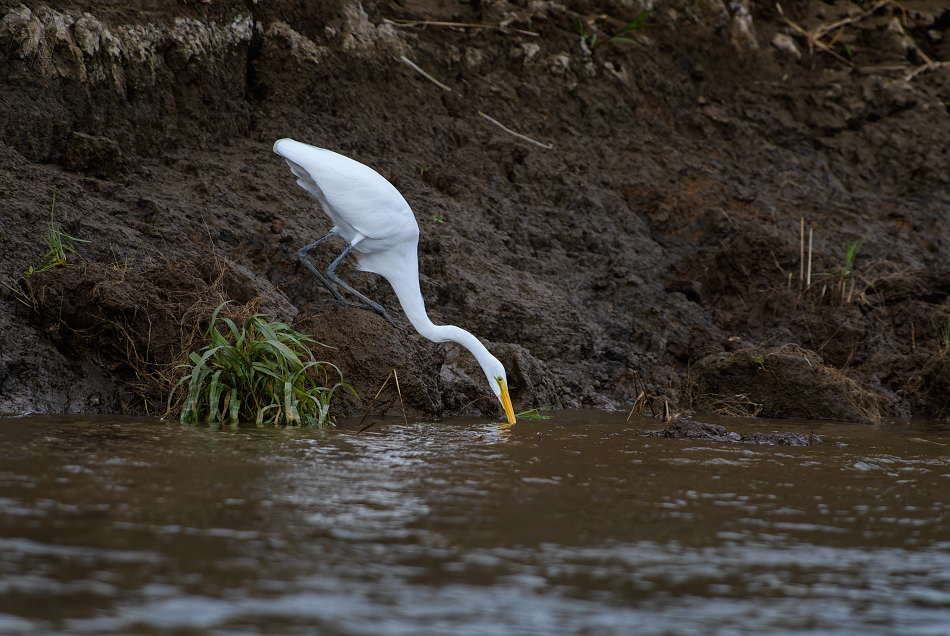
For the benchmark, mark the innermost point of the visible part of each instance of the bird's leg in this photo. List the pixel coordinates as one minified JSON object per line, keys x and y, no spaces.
{"x":302,"y":255}
{"x":332,"y":276}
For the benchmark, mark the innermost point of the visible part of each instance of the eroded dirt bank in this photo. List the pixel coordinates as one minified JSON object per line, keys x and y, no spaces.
{"x":661,"y":226}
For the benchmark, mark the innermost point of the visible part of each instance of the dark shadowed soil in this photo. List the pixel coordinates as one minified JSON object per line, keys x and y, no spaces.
{"x":656,"y":221}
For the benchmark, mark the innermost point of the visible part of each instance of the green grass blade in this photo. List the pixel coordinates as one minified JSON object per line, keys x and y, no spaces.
{"x":235,"y":405}
{"x":288,"y":406}
{"x":214,"y":396}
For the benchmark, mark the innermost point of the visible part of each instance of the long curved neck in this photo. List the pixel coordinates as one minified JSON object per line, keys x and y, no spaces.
{"x":410,"y":297}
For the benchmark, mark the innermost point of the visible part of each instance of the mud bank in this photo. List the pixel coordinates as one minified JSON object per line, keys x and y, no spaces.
{"x":657,"y":220}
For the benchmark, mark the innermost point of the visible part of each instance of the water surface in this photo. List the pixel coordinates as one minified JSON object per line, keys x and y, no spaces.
{"x":577,"y":524}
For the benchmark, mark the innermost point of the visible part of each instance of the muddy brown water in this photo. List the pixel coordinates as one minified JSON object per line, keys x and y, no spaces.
{"x":573,"y":525}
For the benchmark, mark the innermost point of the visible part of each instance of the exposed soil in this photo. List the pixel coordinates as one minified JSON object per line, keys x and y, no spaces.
{"x":777,"y":382}
{"x":661,"y":226}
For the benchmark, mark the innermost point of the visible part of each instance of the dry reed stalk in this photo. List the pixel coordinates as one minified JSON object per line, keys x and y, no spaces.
{"x":929,"y":66}
{"x":821,"y":30}
{"x":811,"y":232}
{"x":399,"y":391}
{"x":644,"y":399}
{"x":373,"y":401}
{"x":812,"y":41}
{"x":801,"y":253}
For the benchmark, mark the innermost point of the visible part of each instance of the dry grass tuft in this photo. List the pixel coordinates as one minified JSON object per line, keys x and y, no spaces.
{"x":660,"y":406}
{"x":777,"y":382}
{"x":136,"y":323}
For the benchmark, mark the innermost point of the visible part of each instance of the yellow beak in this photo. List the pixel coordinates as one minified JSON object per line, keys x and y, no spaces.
{"x":506,"y":402}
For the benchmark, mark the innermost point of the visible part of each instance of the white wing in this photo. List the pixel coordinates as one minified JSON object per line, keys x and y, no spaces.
{"x":350,"y":191}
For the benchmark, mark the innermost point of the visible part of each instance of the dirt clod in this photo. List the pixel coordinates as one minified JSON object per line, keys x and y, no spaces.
{"x":786,"y":381}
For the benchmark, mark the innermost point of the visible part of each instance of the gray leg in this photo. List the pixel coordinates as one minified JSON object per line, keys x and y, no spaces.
{"x":302,"y":255}
{"x":375,"y":306}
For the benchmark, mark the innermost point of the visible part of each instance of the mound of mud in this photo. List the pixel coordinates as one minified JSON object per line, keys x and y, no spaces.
{"x":434,"y":379}
{"x":121,"y":320}
{"x":780,"y":382}
{"x":137,"y":323}
{"x":368,"y":359}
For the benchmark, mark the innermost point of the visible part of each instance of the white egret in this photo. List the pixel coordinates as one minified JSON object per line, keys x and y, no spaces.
{"x":371,"y":215}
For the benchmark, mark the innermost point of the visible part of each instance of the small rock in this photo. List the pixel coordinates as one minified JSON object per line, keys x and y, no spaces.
{"x":531,"y":50}
{"x":559,"y":64}
{"x":786,"y":44}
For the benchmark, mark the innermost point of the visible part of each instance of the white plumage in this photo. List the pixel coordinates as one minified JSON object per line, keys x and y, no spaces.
{"x":380,"y":227}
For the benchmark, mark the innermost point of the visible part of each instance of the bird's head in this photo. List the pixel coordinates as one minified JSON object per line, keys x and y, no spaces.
{"x":498,"y":381}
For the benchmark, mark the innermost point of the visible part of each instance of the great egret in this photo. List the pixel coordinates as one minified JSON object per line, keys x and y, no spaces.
{"x":375,"y":219}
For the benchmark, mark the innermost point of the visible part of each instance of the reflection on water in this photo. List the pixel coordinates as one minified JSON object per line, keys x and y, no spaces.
{"x":573,"y":525}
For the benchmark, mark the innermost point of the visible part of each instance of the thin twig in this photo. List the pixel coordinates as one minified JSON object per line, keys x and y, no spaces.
{"x":643,"y":388}
{"x":880,"y":69}
{"x":424,"y":74}
{"x":812,"y":41}
{"x":811,"y":232}
{"x":930,"y":66}
{"x":516,"y":134}
{"x":373,"y":401}
{"x":394,"y":375}
{"x":399,"y":391}
{"x":424,"y":23}
{"x":824,"y":29}
{"x":462,"y":408}
{"x":801,"y":256}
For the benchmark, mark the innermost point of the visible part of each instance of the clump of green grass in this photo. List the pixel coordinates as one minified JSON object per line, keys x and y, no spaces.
{"x":945,"y":335}
{"x":263,"y":373}
{"x":534,"y":414}
{"x":851,"y":253}
{"x":59,"y":244}
{"x":590,"y":39}
{"x":842,"y":291}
